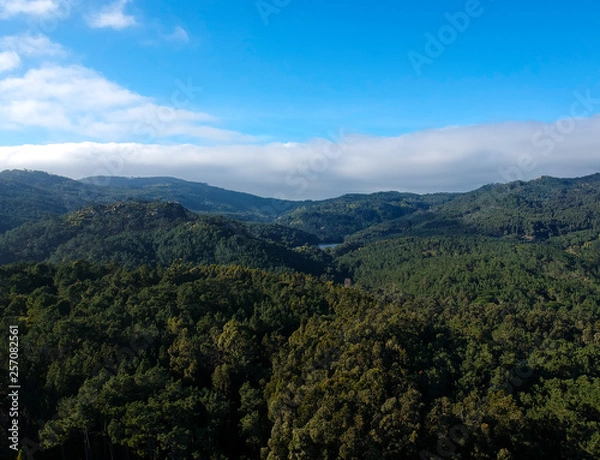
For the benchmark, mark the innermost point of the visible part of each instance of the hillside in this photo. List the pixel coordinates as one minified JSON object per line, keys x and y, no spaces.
{"x":27,"y":196}
{"x":135,"y":233}
{"x":196,"y":196}
{"x":536,"y":210}
{"x":333,"y":219}
{"x":478,"y":269}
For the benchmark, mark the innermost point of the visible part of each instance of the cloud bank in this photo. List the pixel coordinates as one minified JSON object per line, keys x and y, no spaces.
{"x":450,"y":159}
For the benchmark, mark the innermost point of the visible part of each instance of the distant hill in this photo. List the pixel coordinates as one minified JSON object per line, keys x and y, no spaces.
{"x":539,"y":209}
{"x":28,"y":196}
{"x":195,"y":196}
{"x":333,"y":219}
{"x":31,"y":195}
{"x":535,"y":210}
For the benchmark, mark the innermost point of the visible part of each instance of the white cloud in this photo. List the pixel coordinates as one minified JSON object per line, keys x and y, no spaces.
{"x":9,"y":60}
{"x":9,"y":8}
{"x":77,"y":100}
{"x":452,"y":159}
{"x":112,"y":16}
{"x":32,"y":45}
{"x":178,"y":35}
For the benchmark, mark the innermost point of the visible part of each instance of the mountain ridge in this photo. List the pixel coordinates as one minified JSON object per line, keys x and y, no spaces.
{"x":540,"y":208}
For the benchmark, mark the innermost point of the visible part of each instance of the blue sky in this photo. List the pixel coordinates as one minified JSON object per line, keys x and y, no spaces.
{"x":257,"y":95}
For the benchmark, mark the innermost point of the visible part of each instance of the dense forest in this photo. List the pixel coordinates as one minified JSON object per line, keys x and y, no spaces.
{"x":462,"y":326}
{"x":135,"y":233}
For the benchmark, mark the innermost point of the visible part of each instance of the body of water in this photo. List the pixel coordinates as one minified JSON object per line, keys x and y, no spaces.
{"x":330,"y":245}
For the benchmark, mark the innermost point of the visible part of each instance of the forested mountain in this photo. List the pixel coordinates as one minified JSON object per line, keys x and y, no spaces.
{"x":336,"y":218}
{"x":27,"y":196}
{"x":136,"y":233}
{"x":478,"y":269}
{"x":540,"y":209}
{"x":463,"y":326}
{"x":198,"y":197}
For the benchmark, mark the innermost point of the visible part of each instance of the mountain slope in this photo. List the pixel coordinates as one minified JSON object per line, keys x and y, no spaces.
{"x":336,"y":218}
{"x":477,"y":268}
{"x":472,"y":328}
{"x":195,"y":196}
{"x":134,"y":233}
{"x":28,"y":196}
{"x":536,"y":210}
